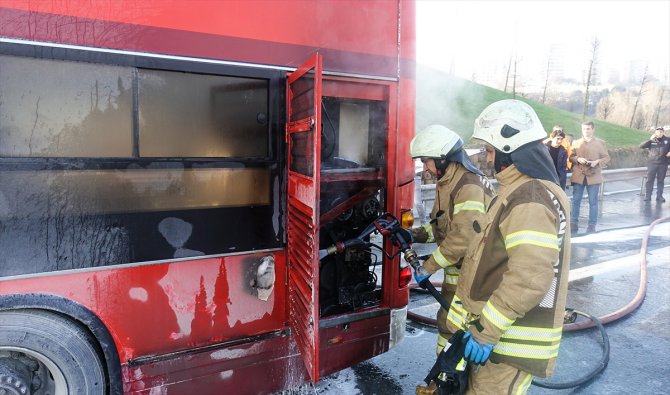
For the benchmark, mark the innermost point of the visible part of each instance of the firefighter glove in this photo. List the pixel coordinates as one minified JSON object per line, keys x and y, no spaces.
{"x":475,"y":352}
{"x":420,"y":274}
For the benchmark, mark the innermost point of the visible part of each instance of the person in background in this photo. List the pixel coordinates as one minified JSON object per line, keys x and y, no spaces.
{"x":510,"y":299}
{"x":567,"y":143}
{"x":589,"y":155}
{"x":559,"y":154}
{"x":657,"y":163}
{"x":462,"y":195}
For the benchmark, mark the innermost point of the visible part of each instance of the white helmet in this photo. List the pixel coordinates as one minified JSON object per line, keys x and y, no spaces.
{"x":435,"y":141}
{"x":507,"y":125}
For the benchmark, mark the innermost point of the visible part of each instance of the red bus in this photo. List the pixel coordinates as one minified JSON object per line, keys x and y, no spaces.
{"x":168,"y":172}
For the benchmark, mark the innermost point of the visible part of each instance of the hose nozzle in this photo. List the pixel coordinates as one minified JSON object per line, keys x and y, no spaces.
{"x":411,"y":257}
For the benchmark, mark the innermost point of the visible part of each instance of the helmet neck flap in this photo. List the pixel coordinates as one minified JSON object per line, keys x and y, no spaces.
{"x":533,"y":160}
{"x":460,"y":156}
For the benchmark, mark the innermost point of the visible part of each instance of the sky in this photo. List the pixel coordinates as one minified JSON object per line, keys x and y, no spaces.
{"x":471,"y":36}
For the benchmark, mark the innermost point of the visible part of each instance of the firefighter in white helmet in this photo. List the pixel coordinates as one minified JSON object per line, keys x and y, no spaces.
{"x":511,"y":295}
{"x":461,"y":196}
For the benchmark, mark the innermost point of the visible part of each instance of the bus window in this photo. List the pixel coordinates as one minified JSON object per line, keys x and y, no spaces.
{"x":82,"y":184}
{"x":51,"y":108}
{"x":195,"y":115}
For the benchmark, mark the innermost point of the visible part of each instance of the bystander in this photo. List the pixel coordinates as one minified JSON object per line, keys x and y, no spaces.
{"x":657,"y":163}
{"x":559,"y":154}
{"x":589,"y":155}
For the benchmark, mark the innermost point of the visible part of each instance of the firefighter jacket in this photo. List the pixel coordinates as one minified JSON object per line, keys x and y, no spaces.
{"x":590,"y":150}
{"x":461,"y":197}
{"x":658,"y":150}
{"x":513,"y":283}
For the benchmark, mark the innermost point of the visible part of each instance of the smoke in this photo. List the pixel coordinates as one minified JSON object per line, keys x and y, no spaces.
{"x":442,"y":98}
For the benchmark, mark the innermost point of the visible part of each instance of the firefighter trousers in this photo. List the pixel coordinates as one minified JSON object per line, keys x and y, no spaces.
{"x":443,"y":333}
{"x":497,"y":379}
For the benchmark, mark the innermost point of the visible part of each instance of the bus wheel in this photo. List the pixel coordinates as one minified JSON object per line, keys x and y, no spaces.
{"x":43,"y":353}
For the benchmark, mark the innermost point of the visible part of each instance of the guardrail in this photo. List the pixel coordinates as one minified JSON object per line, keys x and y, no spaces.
{"x":426,"y":193}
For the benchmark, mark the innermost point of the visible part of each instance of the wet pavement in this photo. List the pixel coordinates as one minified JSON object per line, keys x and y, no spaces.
{"x":604,"y":277}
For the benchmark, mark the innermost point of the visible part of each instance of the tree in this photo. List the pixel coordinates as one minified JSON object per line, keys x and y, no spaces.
{"x":514,"y":78}
{"x":595,"y":44}
{"x":605,"y":107}
{"x":660,"y":102}
{"x":546,"y":80}
{"x":509,"y":66}
{"x":639,"y":94}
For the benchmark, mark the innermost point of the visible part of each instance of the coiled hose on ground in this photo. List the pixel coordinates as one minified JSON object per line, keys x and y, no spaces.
{"x":590,"y":323}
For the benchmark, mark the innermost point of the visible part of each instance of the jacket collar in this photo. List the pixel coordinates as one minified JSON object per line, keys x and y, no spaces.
{"x":509,"y":176}
{"x":450,"y":173}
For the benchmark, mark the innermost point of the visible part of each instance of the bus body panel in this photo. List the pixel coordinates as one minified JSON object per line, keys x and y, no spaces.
{"x":159,"y":308}
{"x":261,"y":366}
{"x":198,"y":325}
{"x":280,"y":33}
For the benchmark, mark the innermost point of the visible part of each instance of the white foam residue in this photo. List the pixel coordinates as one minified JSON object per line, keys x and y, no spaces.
{"x":619,"y":235}
{"x":627,"y":262}
{"x":233,"y":353}
{"x":138,"y":293}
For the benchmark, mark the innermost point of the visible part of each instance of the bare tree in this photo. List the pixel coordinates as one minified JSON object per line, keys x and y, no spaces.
{"x":605,"y":107}
{"x":660,"y":101}
{"x":639,"y":94}
{"x":514,"y":78}
{"x":509,"y":66}
{"x":639,"y":122}
{"x":546,"y":80}
{"x":595,"y":44}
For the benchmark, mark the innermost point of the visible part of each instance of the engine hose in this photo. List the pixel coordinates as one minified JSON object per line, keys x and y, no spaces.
{"x":419,"y":318}
{"x":590,"y":323}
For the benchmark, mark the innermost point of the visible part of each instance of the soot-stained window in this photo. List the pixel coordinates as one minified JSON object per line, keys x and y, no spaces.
{"x":103,"y":164}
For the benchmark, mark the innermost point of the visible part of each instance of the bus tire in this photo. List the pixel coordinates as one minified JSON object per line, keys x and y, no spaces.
{"x":49,"y":352}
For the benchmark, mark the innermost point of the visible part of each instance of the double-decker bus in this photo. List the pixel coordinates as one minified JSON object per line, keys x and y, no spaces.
{"x":169,"y":171}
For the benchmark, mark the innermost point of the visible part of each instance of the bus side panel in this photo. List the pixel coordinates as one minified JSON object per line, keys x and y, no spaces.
{"x":345,"y":345}
{"x":258,"y":367}
{"x":161,"y":308}
{"x":406,"y":105}
{"x":407,"y":93}
{"x":246,"y":31}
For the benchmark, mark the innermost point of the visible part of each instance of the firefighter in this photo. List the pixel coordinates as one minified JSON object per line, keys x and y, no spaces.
{"x":461,"y":196}
{"x":511,"y":293}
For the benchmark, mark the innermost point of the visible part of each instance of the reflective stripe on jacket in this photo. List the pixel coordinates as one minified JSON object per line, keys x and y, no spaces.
{"x":513,"y":283}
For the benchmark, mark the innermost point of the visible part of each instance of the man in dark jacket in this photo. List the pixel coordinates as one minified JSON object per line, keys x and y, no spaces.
{"x":657,"y":164}
{"x":559,"y":154}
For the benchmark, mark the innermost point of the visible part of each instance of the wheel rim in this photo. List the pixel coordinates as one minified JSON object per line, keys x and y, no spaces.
{"x":55,"y":380}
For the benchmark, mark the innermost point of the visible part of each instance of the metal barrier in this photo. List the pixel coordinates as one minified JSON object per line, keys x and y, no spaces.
{"x":426,"y":193}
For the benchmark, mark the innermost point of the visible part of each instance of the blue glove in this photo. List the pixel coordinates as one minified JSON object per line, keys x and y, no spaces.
{"x":475,"y":352}
{"x":421,"y":274}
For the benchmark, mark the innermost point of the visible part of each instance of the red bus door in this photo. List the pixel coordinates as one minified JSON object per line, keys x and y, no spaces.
{"x":303,"y":135}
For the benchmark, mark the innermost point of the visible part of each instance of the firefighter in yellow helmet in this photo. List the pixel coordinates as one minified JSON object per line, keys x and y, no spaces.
{"x":462,"y":194}
{"x":511,"y":293}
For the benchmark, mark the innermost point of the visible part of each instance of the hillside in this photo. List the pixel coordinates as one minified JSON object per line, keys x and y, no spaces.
{"x":455,"y":103}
